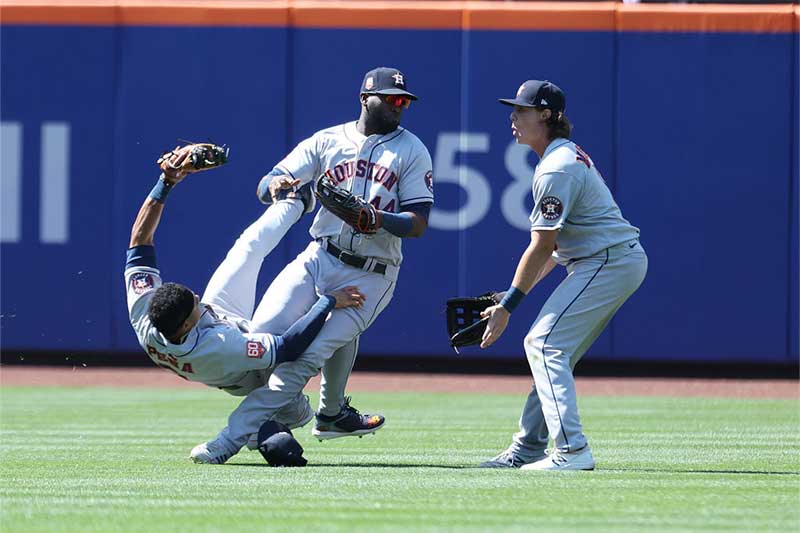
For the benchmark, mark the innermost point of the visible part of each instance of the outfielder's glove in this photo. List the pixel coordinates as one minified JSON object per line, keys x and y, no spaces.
{"x":354,"y":210}
{"x":464,"y":323}
{"x":177,"y":163}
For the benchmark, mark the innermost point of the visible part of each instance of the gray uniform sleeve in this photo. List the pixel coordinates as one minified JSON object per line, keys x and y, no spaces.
{"x":416,"y":182}
{"x":554,"y":195}
{"x":247,"y":351}
{"x":302,"y":163}
{"x":140,"y":283}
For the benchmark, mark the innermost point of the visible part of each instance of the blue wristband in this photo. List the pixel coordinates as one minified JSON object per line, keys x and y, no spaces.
{"x":161,"y":190}
{"x":512,"y":299}
{"x":399,"y":224}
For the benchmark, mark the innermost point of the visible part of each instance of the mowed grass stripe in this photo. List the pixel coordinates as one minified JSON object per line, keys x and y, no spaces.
{"x":117,"y":460}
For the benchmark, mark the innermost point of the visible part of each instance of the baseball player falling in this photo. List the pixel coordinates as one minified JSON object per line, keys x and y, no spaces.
{"x":389,"y":167}
{"x":575,"y":223}
{"x":212,"y":340}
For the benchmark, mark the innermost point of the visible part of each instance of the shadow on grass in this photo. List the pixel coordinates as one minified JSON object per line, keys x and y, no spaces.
{"x":364,"y":465}
{"x":475,"y":467}
{"x":676,"y":471}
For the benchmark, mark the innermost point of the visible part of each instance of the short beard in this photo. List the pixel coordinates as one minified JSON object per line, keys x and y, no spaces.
{"x":380,"y":124}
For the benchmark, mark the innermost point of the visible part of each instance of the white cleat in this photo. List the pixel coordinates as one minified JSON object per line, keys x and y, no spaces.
{"x":511,"y":459}
{"x":213,"y":452}
{"x":578,"y":460}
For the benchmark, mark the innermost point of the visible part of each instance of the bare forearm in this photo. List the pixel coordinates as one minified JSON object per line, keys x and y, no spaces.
{"x":546,"y":269}
{"x":532,"y":267}
{"x":147,"y":220}
{"x":536,"y":262}
{"x":418,"y":225}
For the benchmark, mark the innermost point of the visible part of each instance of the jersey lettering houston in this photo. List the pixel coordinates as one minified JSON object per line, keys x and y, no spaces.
{"x":215,"y":352}
{"x":570,"y":195}
{"x":390,"y":171}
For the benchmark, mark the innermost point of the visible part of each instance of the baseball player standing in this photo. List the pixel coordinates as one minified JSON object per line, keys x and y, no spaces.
{"x":212,"y":340}
{"x":385,"y":164}
{"x":575,"y":223}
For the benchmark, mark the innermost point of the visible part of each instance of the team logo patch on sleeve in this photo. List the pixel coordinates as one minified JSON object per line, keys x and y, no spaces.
{"x":551,"y":208}
{"x":142,"y":282}
{"x":255,"y":350}
{"x":429,"y":180}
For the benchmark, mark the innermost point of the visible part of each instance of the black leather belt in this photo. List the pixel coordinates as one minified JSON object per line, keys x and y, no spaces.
{"x":352,"y":260}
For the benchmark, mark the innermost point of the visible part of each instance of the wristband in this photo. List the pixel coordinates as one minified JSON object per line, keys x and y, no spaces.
{"x":399,"y":224}
{"x":161,"y":190}
{"x":512,"y":299}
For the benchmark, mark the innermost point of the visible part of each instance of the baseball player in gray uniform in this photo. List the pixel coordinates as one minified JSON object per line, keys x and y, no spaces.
{"x":211,"y":339}
{"x":377,"y":159}
{"x":574,"y":223}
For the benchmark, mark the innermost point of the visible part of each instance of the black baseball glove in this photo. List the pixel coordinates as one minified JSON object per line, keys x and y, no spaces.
{"x":464,"y":323}
{"x":183,"y":160}
{"x":354,"y":210}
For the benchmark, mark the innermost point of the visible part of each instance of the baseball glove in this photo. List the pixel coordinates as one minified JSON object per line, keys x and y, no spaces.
{"x":464,"y":323}
{"x":354,"y":210}
{"x":180,"y":161}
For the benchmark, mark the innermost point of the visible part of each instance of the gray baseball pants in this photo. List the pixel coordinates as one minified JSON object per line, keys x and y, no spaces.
{"x":569,"y":322}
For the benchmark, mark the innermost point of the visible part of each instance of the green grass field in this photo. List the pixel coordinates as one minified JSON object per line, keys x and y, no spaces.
{"x":117,"y":460}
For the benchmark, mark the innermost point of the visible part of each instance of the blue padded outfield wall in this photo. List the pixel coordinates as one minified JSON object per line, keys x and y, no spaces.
{"x":696,"y":132}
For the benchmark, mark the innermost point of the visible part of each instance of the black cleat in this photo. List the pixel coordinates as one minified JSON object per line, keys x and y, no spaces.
{"x":348,"y":423}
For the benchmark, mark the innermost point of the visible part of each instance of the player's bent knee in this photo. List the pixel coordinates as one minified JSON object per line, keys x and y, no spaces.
{"x":533,"y":344}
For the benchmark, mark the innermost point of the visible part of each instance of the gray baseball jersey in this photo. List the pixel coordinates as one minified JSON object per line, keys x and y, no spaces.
{"x":570,"y":195}
{"x":390,"y":171}
{"x":217,"y":352}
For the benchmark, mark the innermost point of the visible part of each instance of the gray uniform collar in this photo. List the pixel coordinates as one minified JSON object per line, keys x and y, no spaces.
{"x":555,"y":143}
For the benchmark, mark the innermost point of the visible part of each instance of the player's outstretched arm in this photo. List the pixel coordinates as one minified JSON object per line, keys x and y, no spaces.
{"x":302,"y":333}
{"x":175,"y":165}
{"x":147,"y":220}
{"x":144,"y":227}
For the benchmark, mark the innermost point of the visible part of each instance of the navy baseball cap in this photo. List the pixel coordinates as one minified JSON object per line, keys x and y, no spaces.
{"x":385,"y":80}
{"x":535,"y":93}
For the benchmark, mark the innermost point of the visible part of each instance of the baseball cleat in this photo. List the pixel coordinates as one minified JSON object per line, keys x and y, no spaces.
{"x":348,"y":423}
{"x":294,"y":415}
{"x":511,"y":459}
{"x":578,"y":460}
{"x":213,"y":452}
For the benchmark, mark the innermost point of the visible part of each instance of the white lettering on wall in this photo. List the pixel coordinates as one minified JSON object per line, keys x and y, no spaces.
{"x":53,"y":182}
{"x":10,"y":176}
{"x":475,"y":186}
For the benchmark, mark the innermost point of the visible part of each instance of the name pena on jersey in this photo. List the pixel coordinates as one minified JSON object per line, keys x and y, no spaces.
{"x":363,"y":169}
{"x":170,"y":359}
